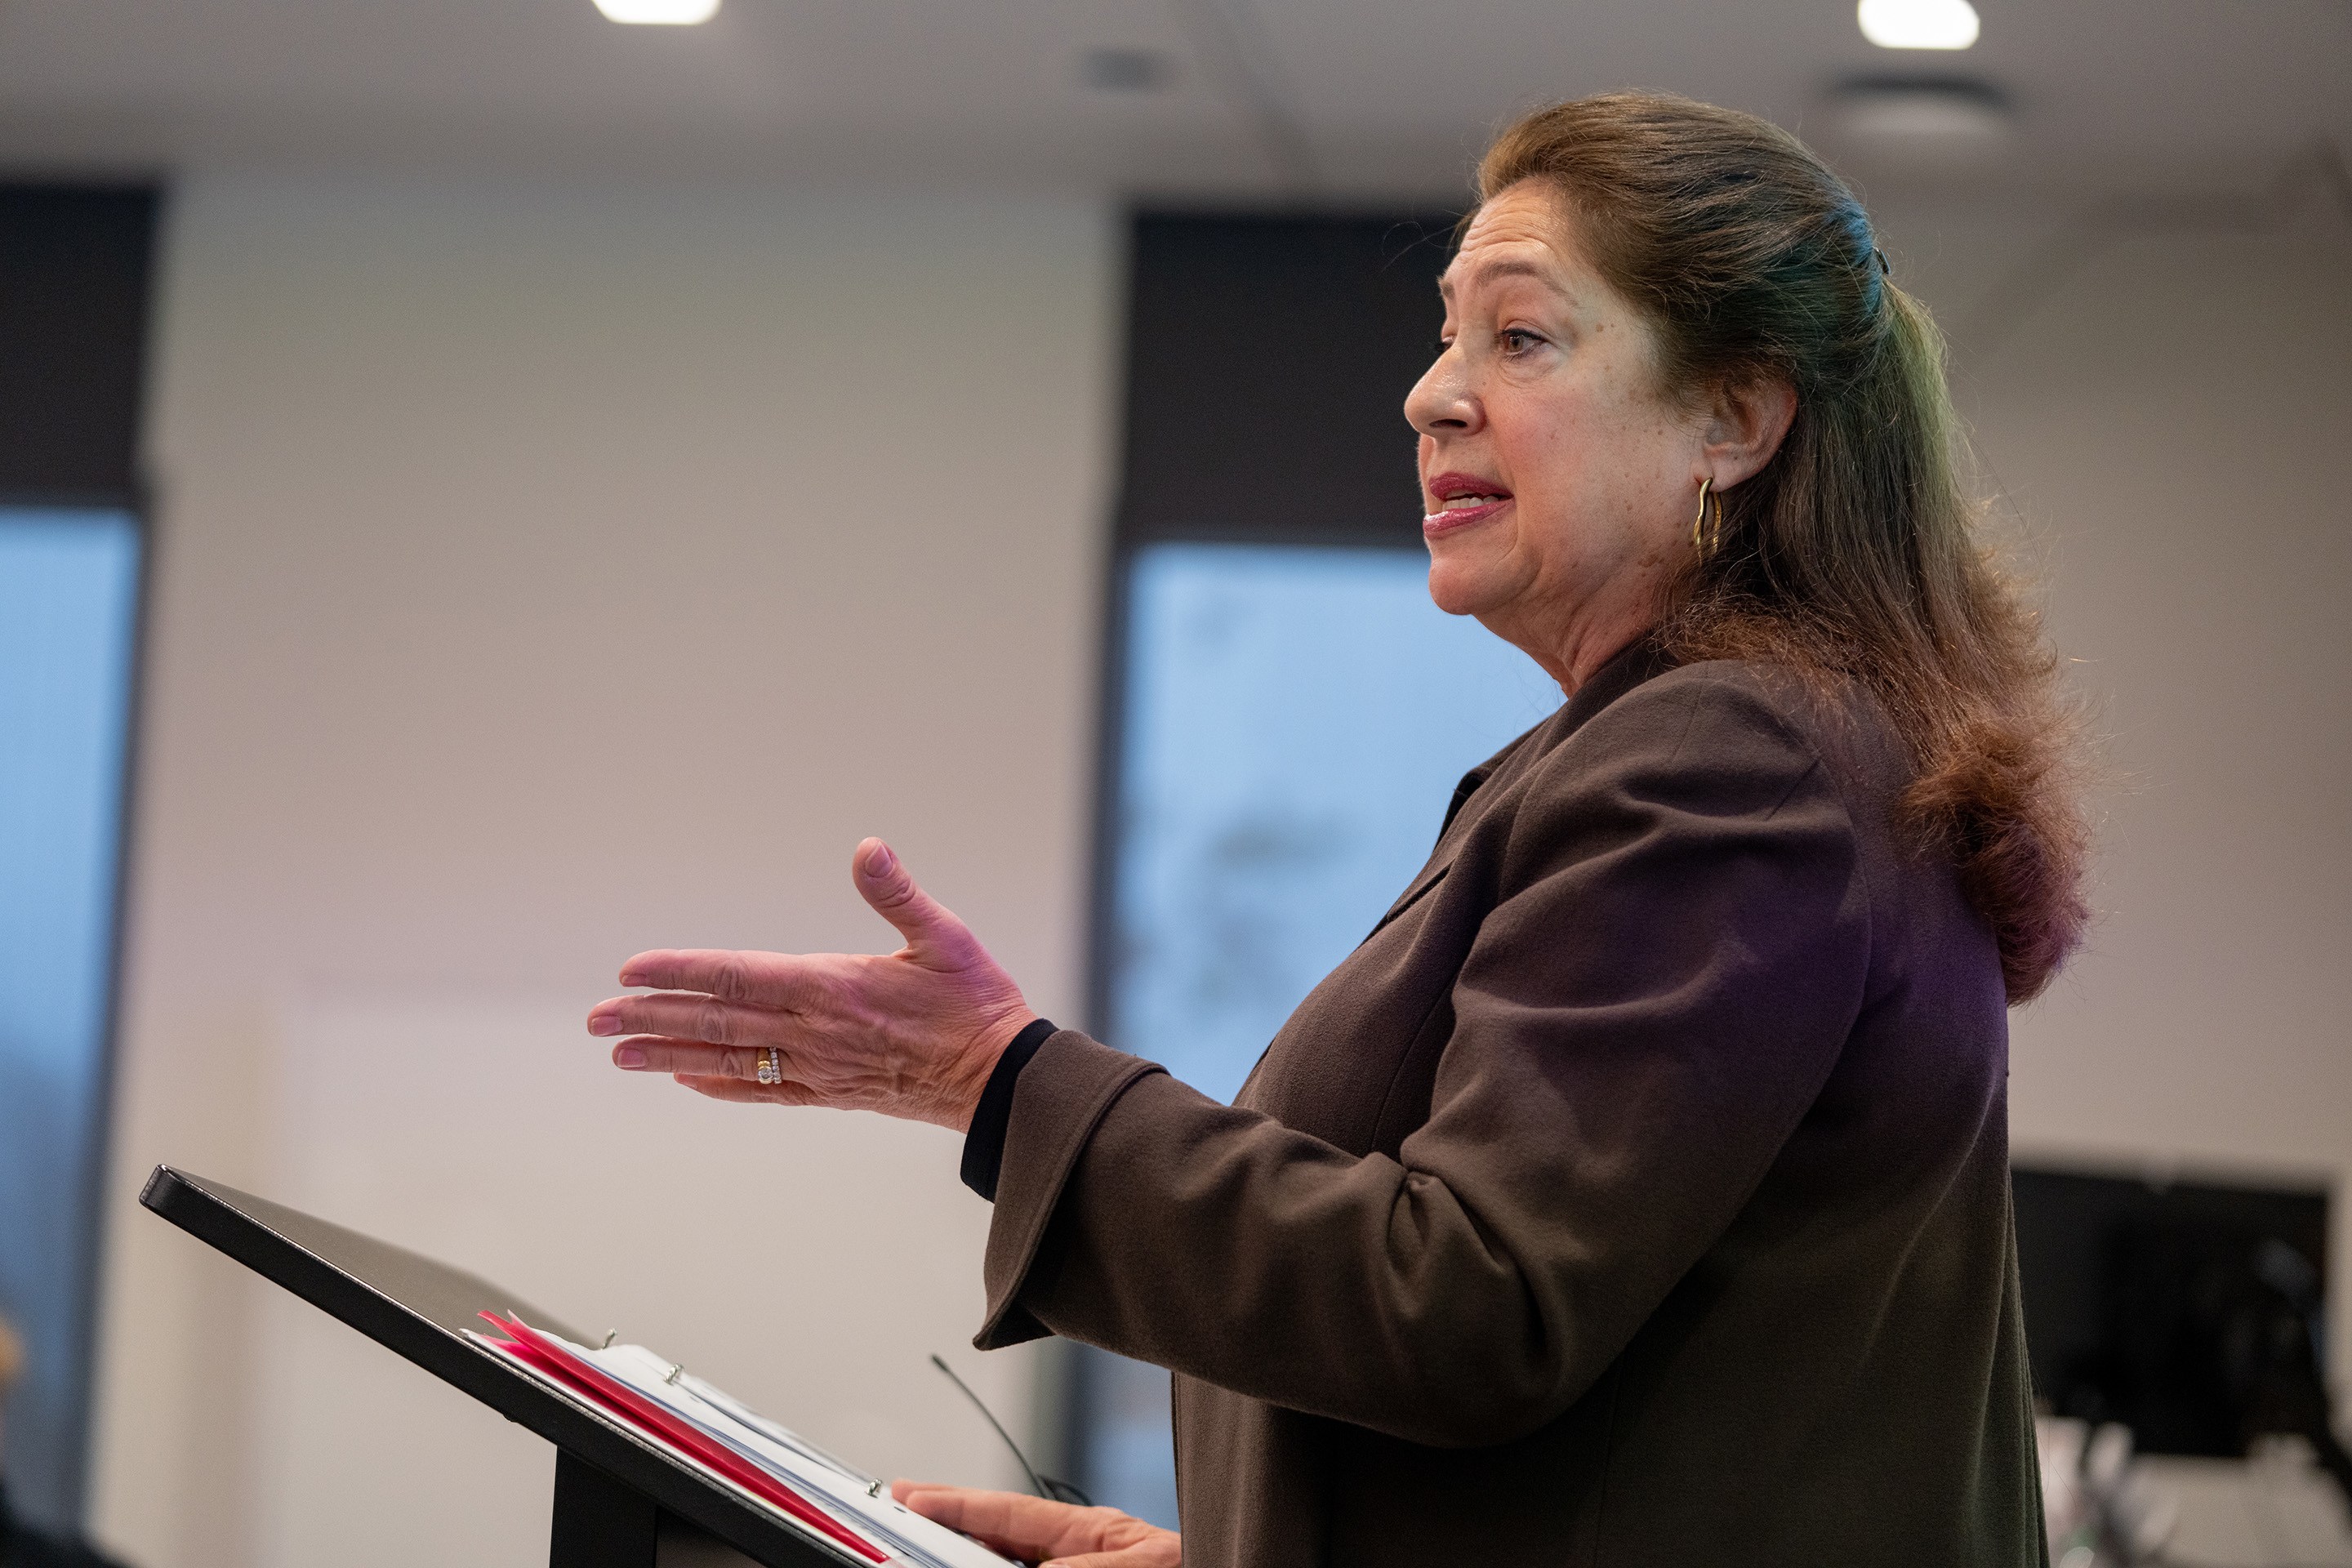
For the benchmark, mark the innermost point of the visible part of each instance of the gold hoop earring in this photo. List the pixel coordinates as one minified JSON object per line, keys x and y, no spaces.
{"x":1705,"y":542}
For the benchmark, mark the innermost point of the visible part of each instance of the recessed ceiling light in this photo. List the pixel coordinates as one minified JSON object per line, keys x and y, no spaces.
{"x":1918,"y":24}
{"x":1944,"y":120}
{"x":659,"y":13}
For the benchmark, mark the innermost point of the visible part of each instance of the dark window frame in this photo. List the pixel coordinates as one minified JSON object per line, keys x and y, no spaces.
{"x":77,"y":280}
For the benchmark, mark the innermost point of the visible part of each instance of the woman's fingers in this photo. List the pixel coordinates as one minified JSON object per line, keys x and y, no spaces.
{"x":653,"y":1053}
{"x":932,"y":933}
{"x":1027,"y":1527}
{"x":735,"y":1089}
{"x":1032,"y":1527}
{"x":761,"y":979}
{"x":1161,"y":1550}
{"x":686,"y":1017}
{"x":722,"y":1072}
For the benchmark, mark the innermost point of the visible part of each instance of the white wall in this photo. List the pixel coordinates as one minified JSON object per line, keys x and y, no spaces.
{"x":546,"y":573}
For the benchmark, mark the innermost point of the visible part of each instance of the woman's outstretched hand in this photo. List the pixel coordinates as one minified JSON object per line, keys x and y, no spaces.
{"x":1033,"y":1529}
{"x":912,"y":1034}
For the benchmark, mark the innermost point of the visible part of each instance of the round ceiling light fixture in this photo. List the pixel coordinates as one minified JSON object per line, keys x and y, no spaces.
{"x":1918,"y":24}
{"x":658,"y":13}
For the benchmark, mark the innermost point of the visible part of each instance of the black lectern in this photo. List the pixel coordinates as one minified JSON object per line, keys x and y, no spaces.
{"x":620,"y":1497}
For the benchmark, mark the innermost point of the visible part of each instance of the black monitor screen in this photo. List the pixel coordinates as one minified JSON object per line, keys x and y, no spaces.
{"x":2190,"y":1311}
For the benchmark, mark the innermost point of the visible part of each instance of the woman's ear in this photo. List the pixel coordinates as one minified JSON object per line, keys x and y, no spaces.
{"x":1745,"y":426}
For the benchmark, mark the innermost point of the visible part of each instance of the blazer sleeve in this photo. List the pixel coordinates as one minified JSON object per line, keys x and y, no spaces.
{"x":1676,"y":952}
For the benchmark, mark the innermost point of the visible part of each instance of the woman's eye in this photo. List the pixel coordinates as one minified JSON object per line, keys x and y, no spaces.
{"x":1516,"y":340}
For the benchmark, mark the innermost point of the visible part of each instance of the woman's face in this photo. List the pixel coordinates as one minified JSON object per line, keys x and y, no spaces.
{"x":1559,"y":484}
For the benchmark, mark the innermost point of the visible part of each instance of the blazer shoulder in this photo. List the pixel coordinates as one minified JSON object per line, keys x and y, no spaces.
{"x":1696,"y":752}
{"x":1704,"y":770}
{"x":1711,"y":716}
{"x":1833,"y":720}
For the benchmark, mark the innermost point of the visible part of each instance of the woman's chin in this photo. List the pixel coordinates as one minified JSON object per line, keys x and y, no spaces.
{"x":1458,"y":587}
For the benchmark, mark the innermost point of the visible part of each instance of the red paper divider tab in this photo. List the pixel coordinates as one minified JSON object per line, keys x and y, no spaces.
{"x":534,"y":1349}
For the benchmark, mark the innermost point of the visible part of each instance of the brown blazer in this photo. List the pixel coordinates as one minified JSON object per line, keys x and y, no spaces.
{"x":1636,"y":1194}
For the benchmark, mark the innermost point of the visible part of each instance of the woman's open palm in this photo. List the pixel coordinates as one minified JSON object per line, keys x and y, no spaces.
{"x":1033,"y":1529}
{"x":911,"y":1033}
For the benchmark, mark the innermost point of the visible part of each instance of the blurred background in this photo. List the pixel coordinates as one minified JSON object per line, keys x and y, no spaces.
{"x":488,"y":489}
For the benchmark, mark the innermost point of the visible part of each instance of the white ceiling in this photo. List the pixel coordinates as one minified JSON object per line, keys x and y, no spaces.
{"x":1342,"y":100}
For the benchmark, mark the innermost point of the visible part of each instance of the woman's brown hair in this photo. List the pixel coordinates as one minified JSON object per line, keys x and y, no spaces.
{"x":1854,"y":556}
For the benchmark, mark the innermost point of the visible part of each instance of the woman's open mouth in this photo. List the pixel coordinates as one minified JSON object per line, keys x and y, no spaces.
{"x":1458,"y":500}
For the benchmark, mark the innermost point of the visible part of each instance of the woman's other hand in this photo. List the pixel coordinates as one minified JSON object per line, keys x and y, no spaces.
{"x":1035,"y":1530}
{"x":911,"y":1033}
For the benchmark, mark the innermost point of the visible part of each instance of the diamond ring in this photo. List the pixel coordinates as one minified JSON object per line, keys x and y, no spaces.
{"x":772,"y":1066}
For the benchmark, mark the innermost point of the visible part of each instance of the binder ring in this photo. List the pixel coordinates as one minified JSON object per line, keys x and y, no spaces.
{"x":772,"y":1066}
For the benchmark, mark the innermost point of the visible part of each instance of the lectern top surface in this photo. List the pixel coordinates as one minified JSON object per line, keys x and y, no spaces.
{"x":448,"y":1298}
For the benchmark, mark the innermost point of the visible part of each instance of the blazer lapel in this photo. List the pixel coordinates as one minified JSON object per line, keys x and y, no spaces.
{"x":1449,"y":842}
{"x":1636,"y":663}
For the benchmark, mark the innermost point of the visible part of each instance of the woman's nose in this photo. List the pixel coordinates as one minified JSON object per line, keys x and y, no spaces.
{"x":1443,"y":399}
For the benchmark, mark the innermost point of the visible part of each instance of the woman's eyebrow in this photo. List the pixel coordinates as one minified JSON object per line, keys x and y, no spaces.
{"x":1501,"y":267}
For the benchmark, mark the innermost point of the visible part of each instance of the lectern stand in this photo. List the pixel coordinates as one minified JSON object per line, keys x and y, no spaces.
{"x":621,"y":1500}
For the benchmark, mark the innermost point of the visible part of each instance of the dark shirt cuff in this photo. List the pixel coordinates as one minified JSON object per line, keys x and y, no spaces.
{"x":983,"y":1146}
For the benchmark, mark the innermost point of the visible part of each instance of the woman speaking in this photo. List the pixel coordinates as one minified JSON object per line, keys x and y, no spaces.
{"x":1638,"y":1191}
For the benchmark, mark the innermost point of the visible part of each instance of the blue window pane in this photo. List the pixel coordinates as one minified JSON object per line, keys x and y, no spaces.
{"x":1295,"y":719}
{"x":69,"y":596}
